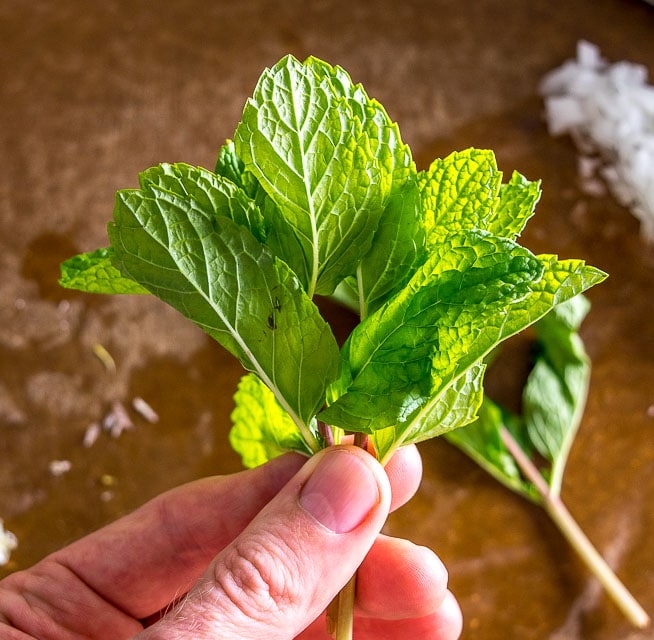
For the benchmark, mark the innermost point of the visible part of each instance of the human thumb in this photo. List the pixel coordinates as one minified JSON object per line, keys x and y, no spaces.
{"x":282,"y":571}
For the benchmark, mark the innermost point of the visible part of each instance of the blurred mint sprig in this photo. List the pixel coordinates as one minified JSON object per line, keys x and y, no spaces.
{"x":527,"y":452}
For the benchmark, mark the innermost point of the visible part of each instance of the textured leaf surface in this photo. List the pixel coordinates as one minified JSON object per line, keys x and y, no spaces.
{"x":465,"y":191}
{"x":458,"y":192}
{"x":455,"y":407}
{"x":94,"y":272}
{"x":447,"y":317}
{"x":261,"y":429}
{"x":514,"y":207}
{"x":316,"y":161}
{"x":474,"y":291}
{"x":386,"y":143}
{"x":397,"y":250}
{"x":203,"y":191}
{"x":317,"y":194}
{"x":184,"y":249}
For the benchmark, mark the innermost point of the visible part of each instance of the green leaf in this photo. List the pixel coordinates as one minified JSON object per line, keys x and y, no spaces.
{"x":262,"y":429}
{"x":185,"y":249}
{"x":454,"y":407}
{"x":316,"y":161}
{"x":553,"y":402}
{"x":399,"y":240}
{"x":94,"y":272}
{"x":474,"y":291}
{"x":458,"y":192}
{"x":203,"y":191}
{"x":383,"y":133}
{"x":514,"y":207}
{"x":450,"y":314}
{"x":230,"y":166}
{"x":556,"y":391}
{"x":465,"y":191}
{"x":398,"y":248}
{"x":482,"y":442}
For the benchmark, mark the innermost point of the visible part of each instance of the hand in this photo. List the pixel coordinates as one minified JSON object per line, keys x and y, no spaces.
{"x":258,"y":554}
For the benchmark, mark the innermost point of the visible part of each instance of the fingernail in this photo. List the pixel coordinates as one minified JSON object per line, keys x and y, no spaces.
{"x":341,"y":492}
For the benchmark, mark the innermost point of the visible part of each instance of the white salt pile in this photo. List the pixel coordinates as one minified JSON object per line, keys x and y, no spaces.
{"x":8,"y":542}
{"x":608,"y":109}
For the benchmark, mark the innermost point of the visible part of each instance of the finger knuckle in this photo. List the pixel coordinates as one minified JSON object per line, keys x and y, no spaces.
{"x":260,"y":578}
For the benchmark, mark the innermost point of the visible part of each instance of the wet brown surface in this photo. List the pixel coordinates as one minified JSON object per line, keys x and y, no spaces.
{"x":93,"y":93}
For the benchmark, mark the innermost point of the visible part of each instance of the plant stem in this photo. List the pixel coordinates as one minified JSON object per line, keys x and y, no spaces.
{"x":567,"y":525}
{"x":327,"y":433}
{"x":340,"y":613}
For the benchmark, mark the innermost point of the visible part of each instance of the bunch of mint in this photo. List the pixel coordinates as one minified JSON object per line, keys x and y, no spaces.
{"x":317,"y":195}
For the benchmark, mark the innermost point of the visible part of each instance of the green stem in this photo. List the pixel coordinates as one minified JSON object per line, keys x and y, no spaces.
{"x":363,"y":307}
{"x":340,"y":613}
{"x":567,"y":525}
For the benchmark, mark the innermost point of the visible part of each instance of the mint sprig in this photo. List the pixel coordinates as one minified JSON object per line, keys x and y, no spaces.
{"x":317,"y":194}
{"x":527,"y":452}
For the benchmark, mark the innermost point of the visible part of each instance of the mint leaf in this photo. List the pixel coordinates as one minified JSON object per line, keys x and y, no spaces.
{"x":398,"y":249}
{"x":262,"y":429}
{"x":465,"y":191}
{"x":203,"y":191}
{"x":436,"y":204}
{"x":482,"y":442}
{"x":474,"y":291}
{"x":383,"y":133}
{"x":449,"y":315}
{"x":553,"y":401}
{"x":316,"y":161}
{"x":399,"y":239}
{"x":318,"y":195}
{"x":454,"y":407}
{"x":94,"y":272}
{"x":230,"y":166}
{"x":557,"y":388}
{"x":514,"y":206}
{"x":185,"y":249}
{"x":502,"y":443}
{"x":458,"y":192}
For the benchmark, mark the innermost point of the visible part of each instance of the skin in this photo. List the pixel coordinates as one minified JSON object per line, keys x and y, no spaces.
{"x":258,"y":554}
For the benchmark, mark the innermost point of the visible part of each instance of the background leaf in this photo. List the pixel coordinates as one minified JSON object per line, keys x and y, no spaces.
{"x":553,"y":402}
{"x":482,"y":442}
{"x":555,"y":394}
{"x":230,"y":166}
